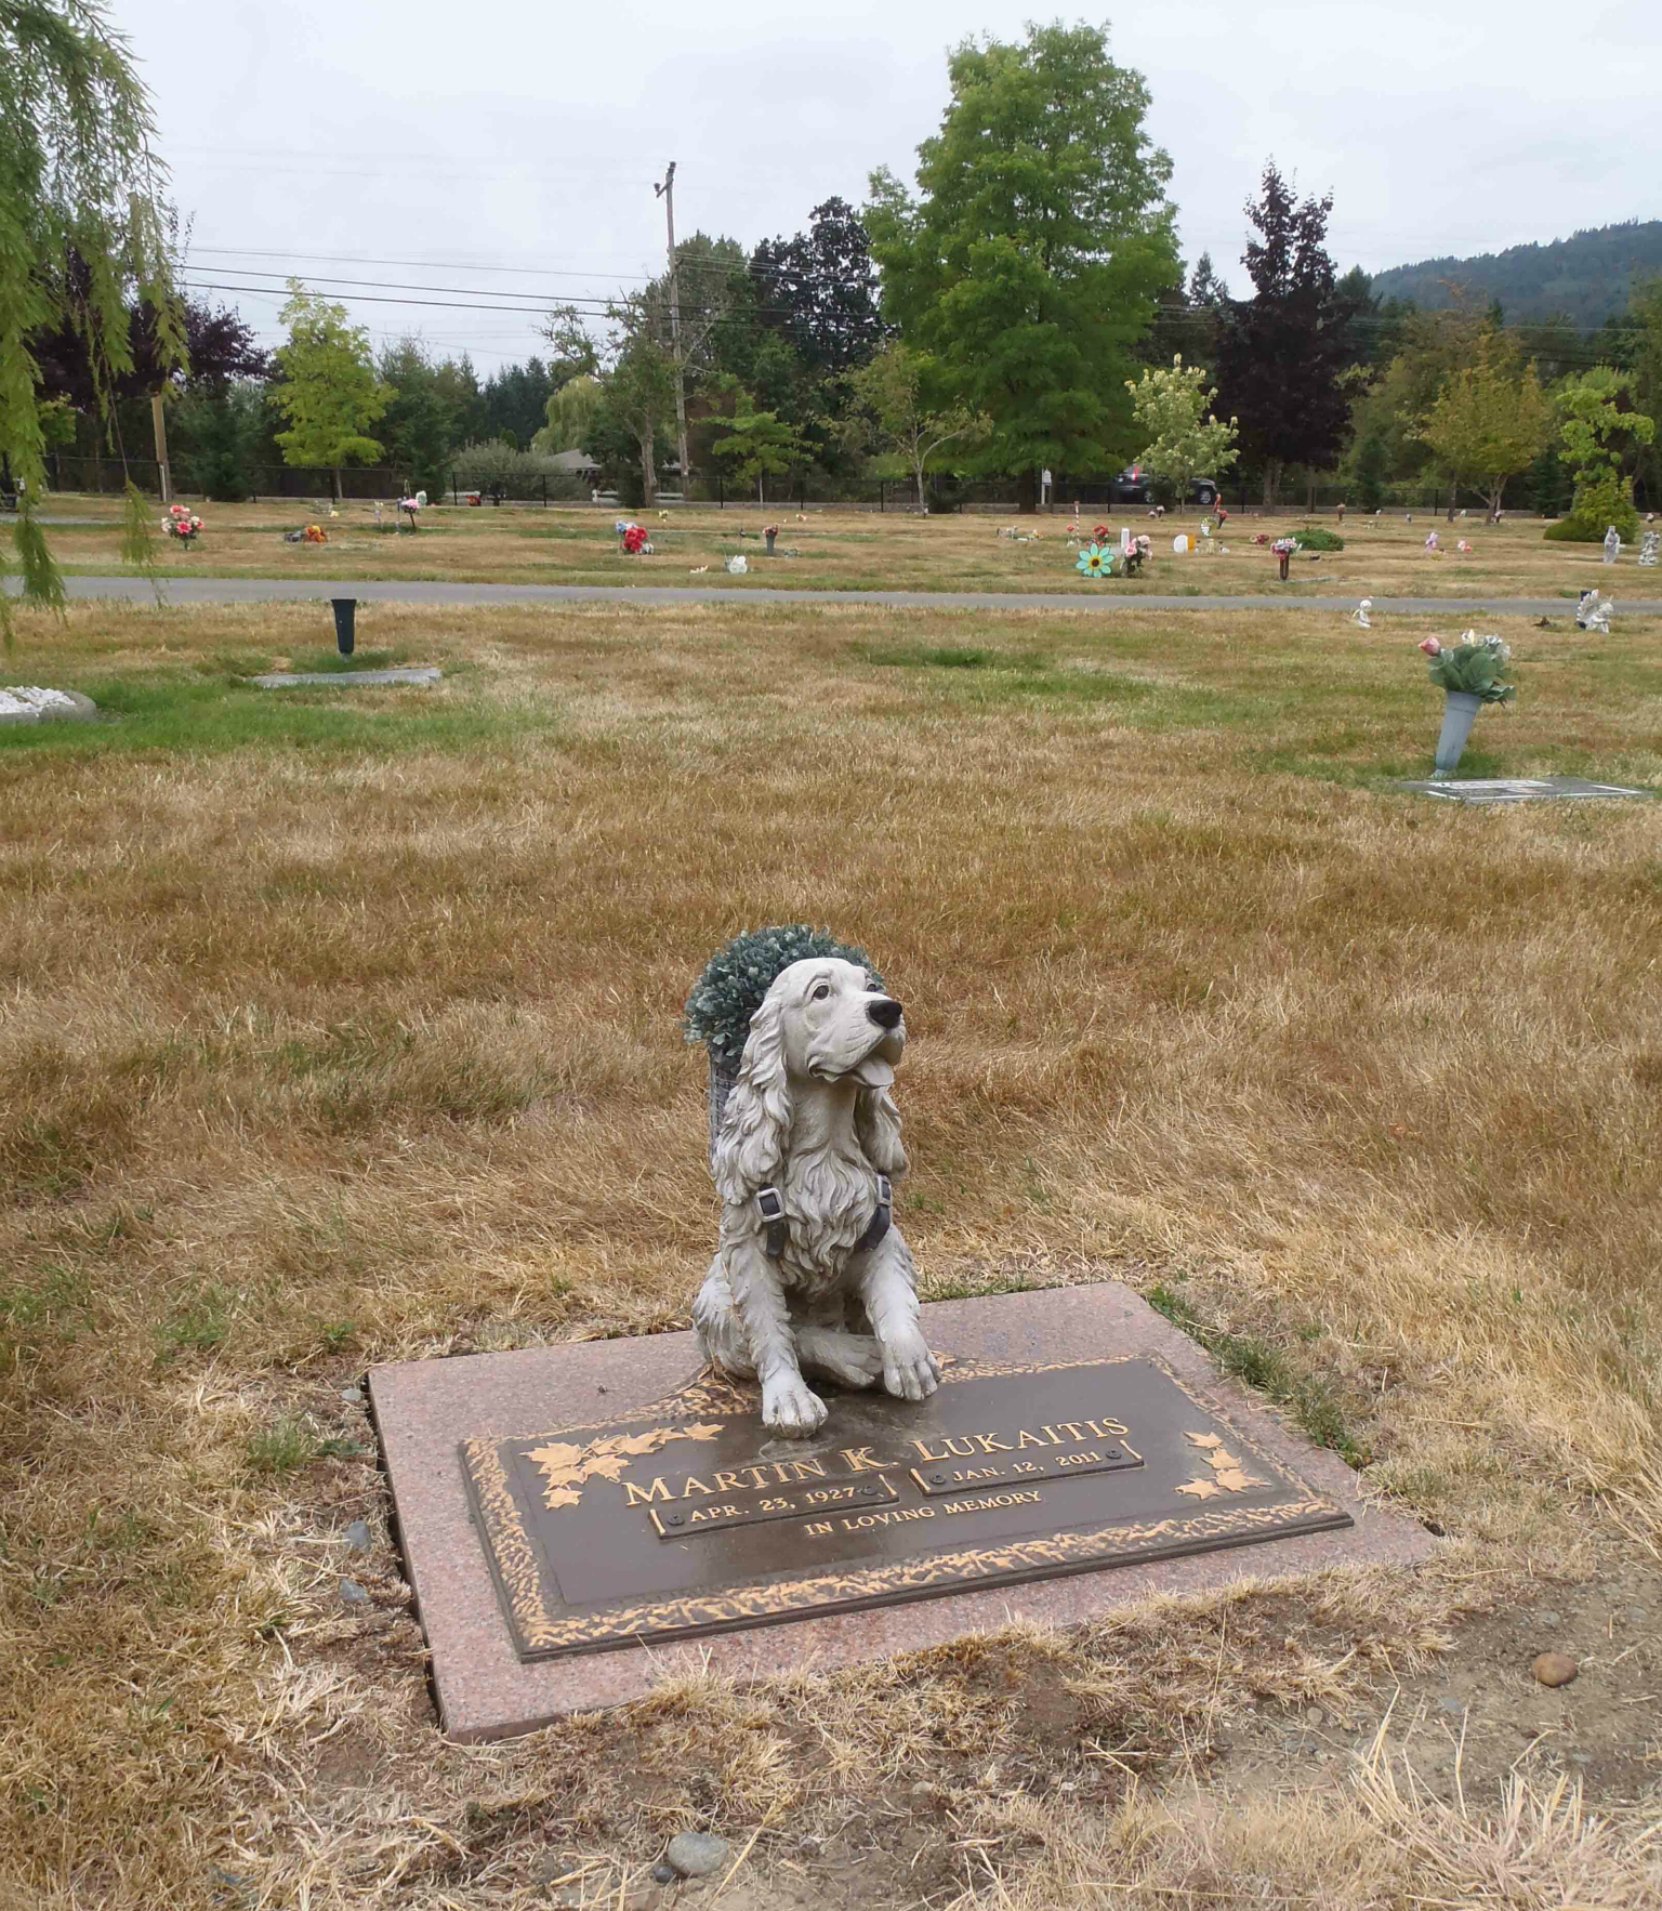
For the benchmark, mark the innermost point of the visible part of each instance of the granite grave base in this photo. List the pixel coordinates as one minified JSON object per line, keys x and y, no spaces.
{"x":1488,"y":791}
{"x":1257,"y":1501}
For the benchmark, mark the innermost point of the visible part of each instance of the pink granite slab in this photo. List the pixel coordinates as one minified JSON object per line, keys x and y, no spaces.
{"x":425,"y":1409}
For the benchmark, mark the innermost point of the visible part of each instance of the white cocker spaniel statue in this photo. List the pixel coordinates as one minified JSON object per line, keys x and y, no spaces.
{"x":812,"y":1276}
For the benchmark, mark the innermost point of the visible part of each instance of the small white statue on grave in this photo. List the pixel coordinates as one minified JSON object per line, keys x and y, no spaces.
{"x":1593,"y":612}
{"x":1359,"y":616}
{"x":1612,"y":545}
{"x":1649,"y":548}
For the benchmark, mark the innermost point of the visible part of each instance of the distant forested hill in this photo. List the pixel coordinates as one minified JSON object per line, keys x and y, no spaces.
{"x":1586,"y":277}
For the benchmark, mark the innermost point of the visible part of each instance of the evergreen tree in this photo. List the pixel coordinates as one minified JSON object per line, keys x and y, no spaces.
{"x":1029,"y":265}
{"x":513,"y":403}
{"x":820,"y":291}
{"x":422,"y":424}
{"x":1283,"y":351}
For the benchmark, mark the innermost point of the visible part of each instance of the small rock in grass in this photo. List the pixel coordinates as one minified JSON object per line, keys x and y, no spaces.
{"x":1555,"y":1668}
{"x":353,"y":1396}
{"x":352,"y":1594}
{"x":30,"y":703}
{"x":695,"y":1854}
{"x":358,"y":1537}
{"x":663,"y":1872}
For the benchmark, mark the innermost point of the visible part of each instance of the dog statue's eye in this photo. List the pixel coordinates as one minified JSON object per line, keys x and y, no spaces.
{"x":822,"y":992}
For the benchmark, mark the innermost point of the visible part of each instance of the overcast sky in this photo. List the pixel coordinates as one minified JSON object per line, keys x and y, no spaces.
{"x":506,"y":149}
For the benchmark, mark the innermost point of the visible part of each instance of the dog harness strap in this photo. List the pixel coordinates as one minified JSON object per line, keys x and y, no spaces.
{"x":880,"y":1221}
{"x":775,"y":1230}
{"x":772,"y":1210}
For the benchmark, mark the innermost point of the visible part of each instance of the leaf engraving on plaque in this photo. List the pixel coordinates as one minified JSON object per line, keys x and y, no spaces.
{"x":566,"y":1469}
{"x":1228,"y":1475}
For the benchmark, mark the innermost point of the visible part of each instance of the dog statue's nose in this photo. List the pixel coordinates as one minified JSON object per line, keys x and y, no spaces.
{"x":885,"y":1013}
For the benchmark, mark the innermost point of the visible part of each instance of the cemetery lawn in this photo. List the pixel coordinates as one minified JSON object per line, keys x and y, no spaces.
{"x":340,"y":1027}
{"x":853,"y":550}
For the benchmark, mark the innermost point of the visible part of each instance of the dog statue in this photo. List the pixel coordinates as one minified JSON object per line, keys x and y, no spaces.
{"x":812,"y":1275}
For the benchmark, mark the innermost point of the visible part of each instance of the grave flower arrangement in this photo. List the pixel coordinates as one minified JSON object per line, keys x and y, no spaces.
{"x":182,"y":523}
{"x":1095,"y":561}
{"x":315,"y":534}
{"x":1472,"y":667}
{"x":737,"y":977}
{"x":1285,"y":546}
{"x":635,"y":540}
{"x":1142,"y":549}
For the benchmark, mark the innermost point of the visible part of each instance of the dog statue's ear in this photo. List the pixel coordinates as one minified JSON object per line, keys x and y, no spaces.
{"x":755,"y":1125}
{"x":877,"y":1129}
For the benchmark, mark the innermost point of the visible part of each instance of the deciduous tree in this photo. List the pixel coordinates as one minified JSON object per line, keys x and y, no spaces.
{"x":571,"y":414}
{"x":1029,"y":264}
{"x":639,"y":389}
{"x":892,"y":407}
{"x":329,"y":393}
{"x":760,"y":445}
{"x":1490,"y":420}
{"x":1181,"y":436}
{"x":1600,"y":432}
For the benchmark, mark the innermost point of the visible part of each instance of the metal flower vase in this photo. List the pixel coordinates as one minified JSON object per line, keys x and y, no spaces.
{"x":1459,"y":714}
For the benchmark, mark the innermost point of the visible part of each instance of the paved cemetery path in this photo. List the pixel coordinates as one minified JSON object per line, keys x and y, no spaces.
{"x":282,"y":590}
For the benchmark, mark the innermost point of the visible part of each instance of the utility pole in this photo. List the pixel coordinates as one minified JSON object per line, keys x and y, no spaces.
{"x":666,"y":192}
{"x":158,"y":425}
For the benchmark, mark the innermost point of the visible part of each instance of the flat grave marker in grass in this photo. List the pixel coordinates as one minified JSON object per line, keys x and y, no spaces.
{"x":579,"y":1521}
{"x":1488,"y":791}
{"x":336,"y":679}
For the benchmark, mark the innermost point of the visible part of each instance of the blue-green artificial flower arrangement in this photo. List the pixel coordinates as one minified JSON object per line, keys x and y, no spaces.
{"x":736,"y":979}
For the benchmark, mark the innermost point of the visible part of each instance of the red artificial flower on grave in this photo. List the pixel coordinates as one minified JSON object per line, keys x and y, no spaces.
{"x":633,"y":539}
{"x":1101,"y":533}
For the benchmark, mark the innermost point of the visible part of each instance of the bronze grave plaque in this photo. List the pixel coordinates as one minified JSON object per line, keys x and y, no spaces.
{"x":692,"y":1519}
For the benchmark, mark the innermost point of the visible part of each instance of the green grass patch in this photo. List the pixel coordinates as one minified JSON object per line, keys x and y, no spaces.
{"x":189,"y":713}
{"x":290,"y":1443}
{"x":1312,"y":1403}
{"x":199,"y":1327}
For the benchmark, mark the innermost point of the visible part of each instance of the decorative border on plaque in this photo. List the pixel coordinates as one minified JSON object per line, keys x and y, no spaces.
{"x":513,"y":1556}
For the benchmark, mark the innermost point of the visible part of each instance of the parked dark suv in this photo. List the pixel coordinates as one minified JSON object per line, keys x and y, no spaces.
{"x":1136,"y":486}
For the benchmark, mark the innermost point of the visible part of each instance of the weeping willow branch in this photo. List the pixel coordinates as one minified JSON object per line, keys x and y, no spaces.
{"x":80,"y":188}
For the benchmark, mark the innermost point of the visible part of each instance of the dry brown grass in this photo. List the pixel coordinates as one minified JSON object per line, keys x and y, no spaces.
{"x":354,"y":1039}
{"x":841,"y":549}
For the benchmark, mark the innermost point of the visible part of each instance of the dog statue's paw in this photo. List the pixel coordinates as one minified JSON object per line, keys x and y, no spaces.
{"x":852,"y":1360}
{"x":791,"y":1408}
{"x":910,"y":1370}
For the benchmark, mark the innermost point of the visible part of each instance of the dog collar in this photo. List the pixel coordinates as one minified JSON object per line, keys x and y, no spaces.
{"x":776,"y":1231}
